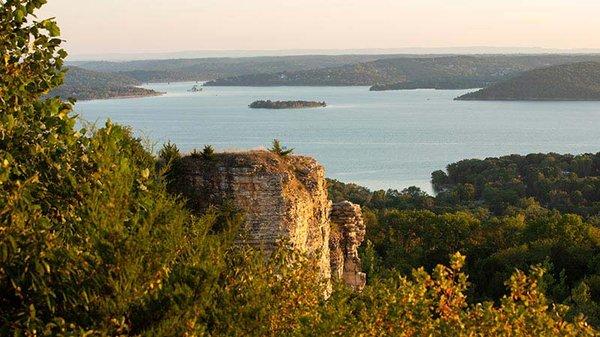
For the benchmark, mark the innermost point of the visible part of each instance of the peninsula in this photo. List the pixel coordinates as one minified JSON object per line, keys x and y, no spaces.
{"x":83,"y":84}
{"x":567,"y":82}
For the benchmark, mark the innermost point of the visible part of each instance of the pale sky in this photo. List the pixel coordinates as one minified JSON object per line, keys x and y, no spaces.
{"x":129,"y":26}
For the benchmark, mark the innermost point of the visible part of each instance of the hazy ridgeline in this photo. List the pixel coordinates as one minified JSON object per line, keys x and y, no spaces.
{"x":102,"y":79}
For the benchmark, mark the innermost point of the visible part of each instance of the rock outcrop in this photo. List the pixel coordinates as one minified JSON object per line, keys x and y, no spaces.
{"x":283,"y":198}
{"x":347,"y":234}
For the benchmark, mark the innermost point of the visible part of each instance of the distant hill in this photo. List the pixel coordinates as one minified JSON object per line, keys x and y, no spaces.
{"x":439,"y":84}
{"x":447,"y":72}
{"x":205,"y":69}
{"x":85,"y":84}
{"x":383,"y":72}
{"x":568,"y":82}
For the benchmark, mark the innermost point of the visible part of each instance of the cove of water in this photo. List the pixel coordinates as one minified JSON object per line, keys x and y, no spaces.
{"x":381,"y":140}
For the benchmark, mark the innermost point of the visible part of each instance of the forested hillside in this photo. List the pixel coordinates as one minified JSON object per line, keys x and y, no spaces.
{"x":84,"y":84}
{"x":503,"y":213}
{"x":204,"y":69}
{"x":568,"y":82}
{"x":566,"y":183}
{"x":448,"y":72}
{"x":438,"y":84}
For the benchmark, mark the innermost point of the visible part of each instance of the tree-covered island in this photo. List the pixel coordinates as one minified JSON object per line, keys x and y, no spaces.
{"x":268,"y":104}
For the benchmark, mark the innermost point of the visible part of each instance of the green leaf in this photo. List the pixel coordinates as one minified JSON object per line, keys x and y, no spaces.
{"x":51,"y":27}
{"x":62,"y":53}
{"x":19,"y":15}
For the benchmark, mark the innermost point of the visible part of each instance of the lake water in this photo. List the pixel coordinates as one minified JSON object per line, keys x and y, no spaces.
{"x":391,"y":139}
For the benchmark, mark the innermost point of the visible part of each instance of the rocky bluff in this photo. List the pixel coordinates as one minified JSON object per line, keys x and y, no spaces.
{"x":283,"y":198}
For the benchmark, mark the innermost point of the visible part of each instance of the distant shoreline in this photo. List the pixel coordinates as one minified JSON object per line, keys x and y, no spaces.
{"x":558,"y":100}
{"x":122,"y":97}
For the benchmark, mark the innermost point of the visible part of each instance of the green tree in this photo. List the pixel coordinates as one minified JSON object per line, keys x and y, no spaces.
{"x":208,"y":153}
{"x":169,"y":153}
{"x":87,"y":229}
{"x":280,"y":150}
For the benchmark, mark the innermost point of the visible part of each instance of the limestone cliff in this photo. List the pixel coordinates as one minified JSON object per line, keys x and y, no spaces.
{"x":347,"y":234}
{"x":283,"y":198}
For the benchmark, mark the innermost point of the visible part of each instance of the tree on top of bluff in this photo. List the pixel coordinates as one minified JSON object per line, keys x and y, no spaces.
{"x":279,"y":149}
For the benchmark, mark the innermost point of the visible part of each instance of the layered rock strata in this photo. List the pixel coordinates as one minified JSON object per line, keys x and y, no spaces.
{"x":347,"y":234}
{"x":282,"y":198}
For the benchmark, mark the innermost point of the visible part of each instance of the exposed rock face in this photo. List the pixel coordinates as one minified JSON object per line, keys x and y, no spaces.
{"x":347,"y":234}
{"x":282,"y":199}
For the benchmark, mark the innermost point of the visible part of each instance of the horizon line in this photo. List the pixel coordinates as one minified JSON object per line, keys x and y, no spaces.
{"x":234,"y":53}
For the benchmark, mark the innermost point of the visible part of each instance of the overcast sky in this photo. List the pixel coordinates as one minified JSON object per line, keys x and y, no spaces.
{"x":126,"y":26}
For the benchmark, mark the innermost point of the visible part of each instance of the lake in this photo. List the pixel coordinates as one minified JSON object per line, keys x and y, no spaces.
{"x":381,"y":140}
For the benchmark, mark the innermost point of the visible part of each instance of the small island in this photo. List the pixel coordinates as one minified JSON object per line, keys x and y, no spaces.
{"x":286,"y":104}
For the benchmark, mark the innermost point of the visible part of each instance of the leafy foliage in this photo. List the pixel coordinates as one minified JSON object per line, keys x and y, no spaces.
{"x":501,"y":212}
{"x":87,"y":230}
{"x":563,"y":182}
{"x":436,"y":305}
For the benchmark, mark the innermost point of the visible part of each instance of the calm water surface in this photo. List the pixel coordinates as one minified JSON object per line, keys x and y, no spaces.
{"x":391,"y":139}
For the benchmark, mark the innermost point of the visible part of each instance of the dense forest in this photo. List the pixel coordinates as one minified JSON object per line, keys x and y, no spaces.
{"x":453,"y":72}
{"x":286,"y":104}
{"x":567,"y":82}
{"x":85,"y":84}
{"x":92,"y":244}
{"x":502,"y":213}
{"x":566,"y":183}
